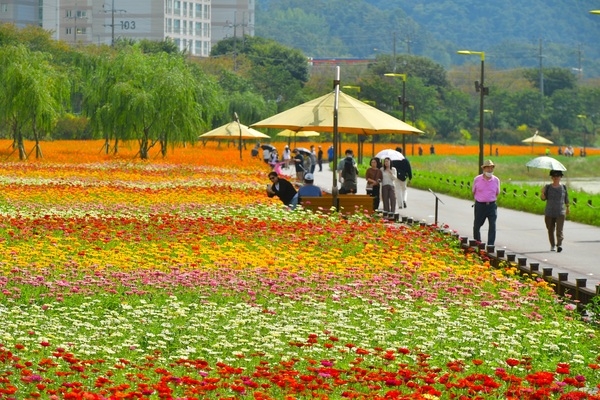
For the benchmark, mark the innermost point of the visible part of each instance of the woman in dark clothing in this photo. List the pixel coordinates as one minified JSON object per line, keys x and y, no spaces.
{"x":348,"y":176}
{"x":283,"y":189}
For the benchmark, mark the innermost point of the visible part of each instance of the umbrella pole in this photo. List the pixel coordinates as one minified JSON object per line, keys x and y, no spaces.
{"x":235,"y":116}
{"x":336,"y":88}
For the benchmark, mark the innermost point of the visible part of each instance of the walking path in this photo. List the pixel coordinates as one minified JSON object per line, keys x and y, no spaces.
{"x":521,"y":233}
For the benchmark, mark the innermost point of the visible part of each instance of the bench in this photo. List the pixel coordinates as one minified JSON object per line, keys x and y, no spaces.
{"x":322,"y":204}
{"x":347,"y":204}
{"x":355,"y":204}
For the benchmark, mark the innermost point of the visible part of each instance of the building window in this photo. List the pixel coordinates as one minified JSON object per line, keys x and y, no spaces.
{"x":177,"y":9}
{"x":4,"y":7}
{"x":199,"y":11}
{"x":169,"y":25}
{"x":177,"y":26}
{"x":69,"y":31}
{"x":169,"y":6}
{"x":82,"y":31}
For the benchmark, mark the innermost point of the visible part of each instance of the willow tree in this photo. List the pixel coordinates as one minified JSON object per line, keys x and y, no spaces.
{"x":150,"y":98}
{"x":33,"y":95}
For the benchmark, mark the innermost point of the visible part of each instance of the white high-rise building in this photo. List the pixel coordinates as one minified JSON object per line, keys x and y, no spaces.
{"x":194,"y":25}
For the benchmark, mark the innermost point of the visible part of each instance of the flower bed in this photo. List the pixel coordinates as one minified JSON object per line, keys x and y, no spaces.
{"x":183,"y":280}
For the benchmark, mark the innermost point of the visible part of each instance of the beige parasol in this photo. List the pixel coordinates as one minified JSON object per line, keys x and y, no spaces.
{"x":537,"y":139}
{"x":293,"y":134}
{"x":354,"y":116}
{"x":234,"y":130}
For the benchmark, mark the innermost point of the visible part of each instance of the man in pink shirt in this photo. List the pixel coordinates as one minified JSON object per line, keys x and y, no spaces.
{"x":486,"y":188}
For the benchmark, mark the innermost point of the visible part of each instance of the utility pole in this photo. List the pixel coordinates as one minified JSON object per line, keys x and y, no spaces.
{"x":112,"y":23}
{"x":541,"y":78}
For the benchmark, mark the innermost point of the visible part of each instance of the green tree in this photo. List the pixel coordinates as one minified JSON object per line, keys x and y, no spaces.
{"x":33,"y":95}
{"x":151,"y":98}
{"x":277,"y":72}
{"x":554,"y":79}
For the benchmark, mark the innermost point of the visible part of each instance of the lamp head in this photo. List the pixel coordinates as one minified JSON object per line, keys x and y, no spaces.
{"x":403,"y":76}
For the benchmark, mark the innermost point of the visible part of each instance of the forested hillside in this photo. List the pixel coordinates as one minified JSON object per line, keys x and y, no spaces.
{"x":559,"y":33}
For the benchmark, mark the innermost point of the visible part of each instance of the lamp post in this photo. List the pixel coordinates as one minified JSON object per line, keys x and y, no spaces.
{"x":412,"y":151}
{"x":483,"y":91}
{"x":491,"y":126}
{"x":583,"y":117}
{"x":402,"y":101}
{"x":358,"y":142}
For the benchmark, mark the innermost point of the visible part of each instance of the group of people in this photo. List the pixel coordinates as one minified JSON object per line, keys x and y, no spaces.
{"x":386,"y":182}
{"x":486,"y":188}
{"x":286,"y":191}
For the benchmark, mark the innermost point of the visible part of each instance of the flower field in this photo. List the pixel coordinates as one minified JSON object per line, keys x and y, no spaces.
{"x":180,"y":279}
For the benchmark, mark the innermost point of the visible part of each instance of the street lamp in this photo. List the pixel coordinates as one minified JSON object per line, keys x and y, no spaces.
{"x":413,"y":124}
{"x":491,"y":127}
{"x":483,"y":91}
{"x":358,"y":137}
{"x":403,"y":103}
{"x":583,"y":117}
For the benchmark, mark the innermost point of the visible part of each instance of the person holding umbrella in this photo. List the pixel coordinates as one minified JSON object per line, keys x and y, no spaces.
{"x":486,"y":188}
{"x":556,"y":197}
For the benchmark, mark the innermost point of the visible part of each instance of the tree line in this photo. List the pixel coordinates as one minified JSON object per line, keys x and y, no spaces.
{"x":154,"y":94}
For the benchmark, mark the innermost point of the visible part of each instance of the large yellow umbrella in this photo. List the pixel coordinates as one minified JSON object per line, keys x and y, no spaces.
{"x":354,"y":116}
{"x":289,"y":133}
{"x":234,"y":130}
{"x":293,"y":134}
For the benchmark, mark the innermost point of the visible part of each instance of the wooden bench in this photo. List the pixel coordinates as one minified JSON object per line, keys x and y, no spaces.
{"x":347,"y":204}
{"x":322,"y":204}
{"x":355,"y":204}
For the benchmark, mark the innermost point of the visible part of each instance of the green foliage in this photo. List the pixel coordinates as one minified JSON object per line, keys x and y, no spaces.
{"x":71,"y":127}
{"x":554,"y":79}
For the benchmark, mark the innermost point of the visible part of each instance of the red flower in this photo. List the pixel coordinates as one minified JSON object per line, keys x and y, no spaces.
{"x":512,"y":362}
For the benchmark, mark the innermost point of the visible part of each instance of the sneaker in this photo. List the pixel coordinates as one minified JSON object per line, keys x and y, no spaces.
{"x":404,"y":204}
{"x":552,"y":248}
{"x":559,"y":249}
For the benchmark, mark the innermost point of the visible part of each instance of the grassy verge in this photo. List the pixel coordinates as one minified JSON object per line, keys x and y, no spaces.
{"x":453,"y":175}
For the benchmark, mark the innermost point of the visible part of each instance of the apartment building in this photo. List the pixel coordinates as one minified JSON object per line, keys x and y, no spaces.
{"x":194,"y":25}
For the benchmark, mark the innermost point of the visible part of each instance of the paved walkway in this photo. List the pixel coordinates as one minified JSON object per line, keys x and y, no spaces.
{"x":521,"y":233}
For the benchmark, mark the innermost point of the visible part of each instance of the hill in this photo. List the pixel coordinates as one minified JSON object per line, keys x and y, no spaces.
{"x":513,"y":34}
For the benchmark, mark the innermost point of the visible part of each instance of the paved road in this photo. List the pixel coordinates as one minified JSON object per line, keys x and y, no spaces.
{"x":521,"y":233}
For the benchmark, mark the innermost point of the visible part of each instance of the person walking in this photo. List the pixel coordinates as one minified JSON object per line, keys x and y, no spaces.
{"x":486,"y":188}
{"x":388,"y":192}
{"x":404,"y":176}
{"x":287,"y":156}
{"x":313,"y":159}
{"x":299,"y":163}
{"x":330,"y":153}
{"x":556,"y":197}
{"x":373,"y":176}
{"x":320,"y":158}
